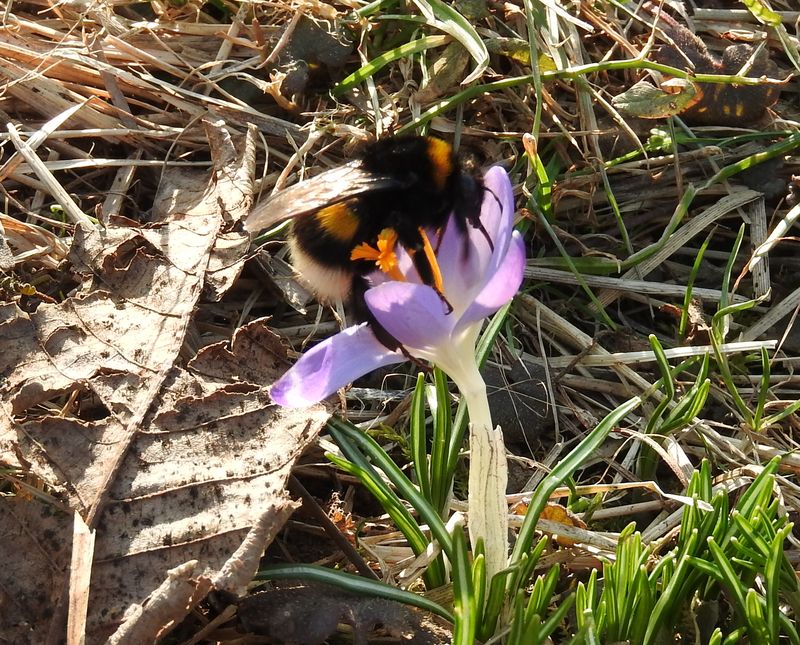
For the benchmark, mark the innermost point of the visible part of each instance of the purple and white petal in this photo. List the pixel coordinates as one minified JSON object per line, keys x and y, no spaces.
{"x":499,"y":199}
{"x":502,"y":286}
{"x":412,"y":313}
{"x":462,"y":273}
{"x":331,"y":364}
{"x":500,"y":217}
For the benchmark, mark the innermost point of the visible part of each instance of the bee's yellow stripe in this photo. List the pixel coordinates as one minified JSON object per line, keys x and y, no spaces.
{"x":338,"y":221}
{"x":440,"y":154}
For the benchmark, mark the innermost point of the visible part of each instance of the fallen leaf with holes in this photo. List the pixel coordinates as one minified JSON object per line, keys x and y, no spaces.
{"x":170,"y":463}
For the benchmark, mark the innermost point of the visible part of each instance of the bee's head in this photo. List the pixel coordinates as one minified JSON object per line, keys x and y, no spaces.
{"x":468,"y":199}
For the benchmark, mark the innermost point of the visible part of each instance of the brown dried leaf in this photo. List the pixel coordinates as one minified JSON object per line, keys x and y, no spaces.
{"x":255,"y":355}
{"x":169,"y":465}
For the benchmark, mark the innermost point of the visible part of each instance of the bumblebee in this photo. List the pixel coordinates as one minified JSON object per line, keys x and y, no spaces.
{"x":394,"y":192}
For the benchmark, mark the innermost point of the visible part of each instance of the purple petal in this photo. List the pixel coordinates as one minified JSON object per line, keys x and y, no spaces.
{"x":412,"y":313}
{"x":501,"y":287}
{"x":499,"y":221}
{"x":462,"y":275}
{"x":499,"y":227}
{"x":332,"y":364}
{"x":465,"y":276}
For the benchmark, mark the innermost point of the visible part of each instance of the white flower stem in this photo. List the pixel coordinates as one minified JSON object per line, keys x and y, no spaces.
{"x":488,"y":470}
{"x":488,"y":473}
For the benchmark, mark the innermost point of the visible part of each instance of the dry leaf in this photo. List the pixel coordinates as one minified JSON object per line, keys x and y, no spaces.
{"x":170,"y":464}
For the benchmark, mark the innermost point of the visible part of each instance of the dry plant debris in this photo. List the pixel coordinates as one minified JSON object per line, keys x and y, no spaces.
{"x":170,"y":464}
{"x":136,"y":352}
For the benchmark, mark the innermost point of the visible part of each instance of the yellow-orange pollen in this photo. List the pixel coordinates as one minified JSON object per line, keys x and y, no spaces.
{"x":384,"y":255}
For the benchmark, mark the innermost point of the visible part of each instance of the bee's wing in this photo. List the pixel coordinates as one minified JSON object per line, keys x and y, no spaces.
{"x":330,"y":187}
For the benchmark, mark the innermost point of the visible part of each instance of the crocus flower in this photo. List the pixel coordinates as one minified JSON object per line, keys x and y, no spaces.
{"x":476,"y":284}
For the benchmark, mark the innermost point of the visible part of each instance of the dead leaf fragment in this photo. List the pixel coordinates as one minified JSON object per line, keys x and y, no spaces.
{"x":168,"y":465}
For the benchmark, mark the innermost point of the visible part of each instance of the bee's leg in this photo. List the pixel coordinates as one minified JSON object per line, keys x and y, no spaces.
{"x":466,"y":247}
{"x":363,"y":314}
{"x":439,"y":239}
{"x":424,"y":258}
{"x":479,"y":225}
{"x":475,"y":221}
{"x":424,"y":367}
{"x":496,"y":198}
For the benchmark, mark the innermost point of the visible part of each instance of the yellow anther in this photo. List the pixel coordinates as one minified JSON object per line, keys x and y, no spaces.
{"x":384,"y":255}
